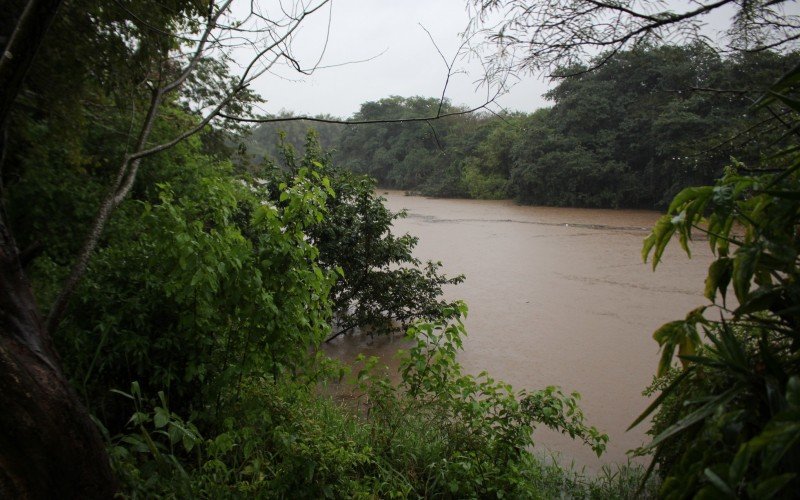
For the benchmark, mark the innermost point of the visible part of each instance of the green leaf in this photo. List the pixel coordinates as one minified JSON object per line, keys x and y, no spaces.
{"x":161,"y":418}
{"x":188,"y":441}
{"x":647,"y":246}
{"x":658,"y":239}
{"x":770,"y":487}
{"x":719,"y":276}
{"x":744,"y":266}
{"x":698,"y":415}
{"x":719,"y":483}
{"x":739,"y":464}
{"x":683,"y":198}
{"x":174,"y":433}
{"x":125,"y":394}
{"x":681,"y":334}
{"x":660,"y":399}
{"x":759,"y":300}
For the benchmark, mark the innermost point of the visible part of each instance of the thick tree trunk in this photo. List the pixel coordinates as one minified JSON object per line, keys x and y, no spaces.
{"x":49,"y":446}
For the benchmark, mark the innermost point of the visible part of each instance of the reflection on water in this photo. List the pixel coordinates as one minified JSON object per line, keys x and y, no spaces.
{"x":557,"y":296}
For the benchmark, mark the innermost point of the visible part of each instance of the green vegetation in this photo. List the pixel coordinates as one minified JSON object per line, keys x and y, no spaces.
{"x":383,"y":287}
{"x":676,"y":117}
{"x":266,"y":141}
{"x":439,"y":433}
{"x":192,"y":337}
{"x":164,"y":298}
{"x":728,"y":422}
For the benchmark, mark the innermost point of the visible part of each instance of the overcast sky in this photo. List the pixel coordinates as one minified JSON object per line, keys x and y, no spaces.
{"x":405,"y":62}
{"x":402,"y":59}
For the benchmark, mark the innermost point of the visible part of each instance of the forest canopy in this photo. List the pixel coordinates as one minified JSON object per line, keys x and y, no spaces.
{"x":647,"y":123}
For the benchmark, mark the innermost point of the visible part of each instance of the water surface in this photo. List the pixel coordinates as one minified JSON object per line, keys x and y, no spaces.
{"x":556,"y":296}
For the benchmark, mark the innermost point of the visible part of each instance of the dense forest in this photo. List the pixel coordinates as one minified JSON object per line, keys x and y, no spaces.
{"x":648,"y":123}
{"x":164,"y":295}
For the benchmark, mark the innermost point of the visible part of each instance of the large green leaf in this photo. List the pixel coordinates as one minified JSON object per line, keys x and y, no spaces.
{"x":768,"y":488}
{"x":719,"y":483}
{"x":660,"y":399}
{"x":698,"y":415}
{"x":744,"y":266}
{"x":719,"y":276}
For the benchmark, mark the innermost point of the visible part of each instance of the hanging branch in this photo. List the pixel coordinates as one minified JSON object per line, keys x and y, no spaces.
{"x":555,"y":34}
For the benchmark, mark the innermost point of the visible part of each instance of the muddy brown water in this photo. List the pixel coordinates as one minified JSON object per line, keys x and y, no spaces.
{"x":556,"y":296}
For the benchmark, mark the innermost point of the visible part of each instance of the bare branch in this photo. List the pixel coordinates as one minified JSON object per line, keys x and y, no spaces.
{"x":129,"y":166}
{"x":415,"y":119}
{"x":553,"y":34}
{"x":190,"y":66}
{"x":126,"y":174}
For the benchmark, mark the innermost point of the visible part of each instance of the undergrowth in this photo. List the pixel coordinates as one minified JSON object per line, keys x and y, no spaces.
{"x":436,"y":434}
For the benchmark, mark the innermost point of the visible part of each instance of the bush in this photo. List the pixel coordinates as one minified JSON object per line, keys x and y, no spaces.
{"x":729,"y":422}
{"x":438,"y":434}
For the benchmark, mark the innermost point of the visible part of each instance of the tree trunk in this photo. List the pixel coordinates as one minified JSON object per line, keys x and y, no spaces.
{"x":49,"y":446}
{"x":19,"y":51}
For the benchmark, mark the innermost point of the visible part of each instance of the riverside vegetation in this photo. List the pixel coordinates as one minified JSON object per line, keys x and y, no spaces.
{"x":673,"y":121}
{"x":195,"y":356}
{"x":193,"y":337}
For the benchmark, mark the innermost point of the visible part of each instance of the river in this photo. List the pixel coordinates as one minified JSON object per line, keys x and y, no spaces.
{"x":556,"y":296}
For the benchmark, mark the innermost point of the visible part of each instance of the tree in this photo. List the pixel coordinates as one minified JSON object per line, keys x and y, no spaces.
{"x":169,"y":48}
{"x":557,"y":34}
{"x":398,"y":155}
{"x":410,"y":154}
{"x":636,"y":141}
{"x":206,"y":286}
{"x":263,"y":139}
{"x":382,"y":288}
{"x":728,"y":421}
{"x":152,"y":75}
{"x":661,"y":52}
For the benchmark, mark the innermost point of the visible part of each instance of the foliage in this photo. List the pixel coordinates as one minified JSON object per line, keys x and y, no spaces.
{"x":439,"y":434}
{"x":191,"y":297}
{"x":150,"y":457}
{"x":636,"y":141}
{"x":727,"y":424}
{"x":409,"y":155}
{"x":263,"y":141}
{"x":487,"y":409}
{"x":676,"y":117}
{"x":214,"y":290}
{"x":382,"y":287}
{"x":481,"y":186}
{"x":210,"y":291}
{"x":476,"y":432}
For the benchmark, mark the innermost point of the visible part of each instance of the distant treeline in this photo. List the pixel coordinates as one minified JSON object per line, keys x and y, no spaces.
{"x":648,"y":123}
